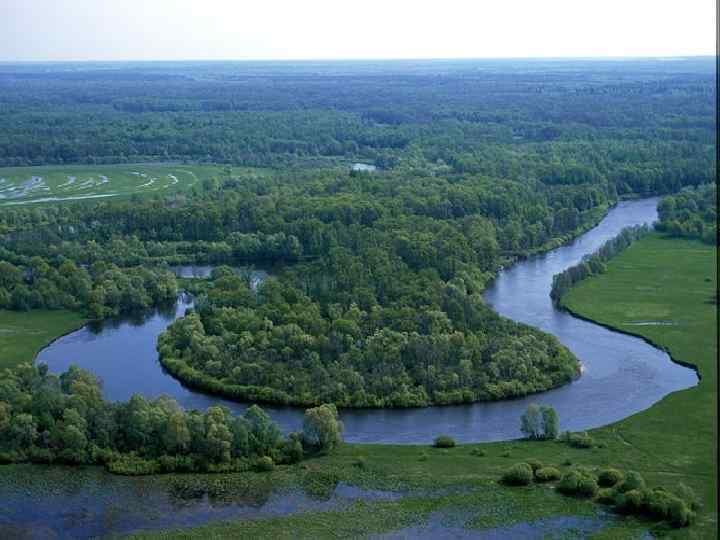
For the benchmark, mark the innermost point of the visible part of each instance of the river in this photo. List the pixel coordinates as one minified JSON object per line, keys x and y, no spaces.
{"x":621,"y":376}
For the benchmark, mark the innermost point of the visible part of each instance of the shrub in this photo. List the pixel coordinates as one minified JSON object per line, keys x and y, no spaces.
{"x":610,"y":477}
{"x":520,"y":474}
{"x":688,"y":495}
{"x":547,"y":474}
{"x":264,"y":464}
{"x":322,"y":430}
{"x":633,"y":480}
{"x":444,"y":441}
{"x":630,"y":502}
{"x":579,"y":484}
{"x":479,"y":452}
{"x":535,"y":464}
{"x":606,"y":496}
{"x":679,"y":514}
{"x":580,"y":440}
{"x":423,"y":456}
{"x":360,"y":462}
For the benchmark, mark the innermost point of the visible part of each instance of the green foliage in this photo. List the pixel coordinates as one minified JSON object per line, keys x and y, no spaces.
{"x":633,"y":481}
{"x":578,"y":483}
{"x":520,"y":474}
{"x":692,"y":213}
{"x":49,"y":419}
{"x":579,"y":440}
{"x":547,"y":474}
{"x":444,"y":441}
{"x":610,"y":477}
{"x":540,"y":422}
{"x":322,"y":431}
{"x":264,"y":464}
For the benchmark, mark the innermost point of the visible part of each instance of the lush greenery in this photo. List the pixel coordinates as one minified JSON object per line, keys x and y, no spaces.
{"x":653,"y":443}
{"x":595,"y":263}
{"x":280,"y":346}
{"x":540,"y":422}
{"x":692,"y":213}
{"x":49,"y":419}
{"x":100,"y":291}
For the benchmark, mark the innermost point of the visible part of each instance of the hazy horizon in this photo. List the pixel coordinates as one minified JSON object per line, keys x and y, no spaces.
{"x":323,"y":30}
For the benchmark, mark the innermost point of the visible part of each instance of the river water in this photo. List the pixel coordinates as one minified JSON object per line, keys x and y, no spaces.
{"x":622,"y":375}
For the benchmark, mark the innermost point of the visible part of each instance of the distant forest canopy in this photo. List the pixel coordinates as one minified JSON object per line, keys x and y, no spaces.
{"x":645,"y":126}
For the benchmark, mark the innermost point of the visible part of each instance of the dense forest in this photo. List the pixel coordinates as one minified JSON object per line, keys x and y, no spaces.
{"x":375,"y":299}
{"x":692,"y":213}
{"x":45,"y":418}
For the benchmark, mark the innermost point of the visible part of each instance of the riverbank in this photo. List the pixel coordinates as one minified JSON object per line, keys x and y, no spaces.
{"x":23,"y":334}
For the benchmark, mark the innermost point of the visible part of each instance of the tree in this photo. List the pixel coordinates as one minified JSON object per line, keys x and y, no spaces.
{"x":322,"y":430}
{"x":540,"y":422}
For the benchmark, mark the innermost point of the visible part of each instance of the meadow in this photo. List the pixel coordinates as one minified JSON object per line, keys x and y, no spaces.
{"x":25,"y":185}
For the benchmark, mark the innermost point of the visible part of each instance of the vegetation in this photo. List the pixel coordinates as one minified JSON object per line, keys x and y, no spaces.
{"x":47,"y":419}
{"x":444,"y":441}
{"x":23,"y":334}
{"x":100,"y":291}
{"x":692,"y":213}
{"x":540,"y":422}
{"x":595,"y":263}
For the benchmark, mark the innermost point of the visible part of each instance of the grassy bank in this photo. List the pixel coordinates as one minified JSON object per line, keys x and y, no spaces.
{"x":24,"y":333}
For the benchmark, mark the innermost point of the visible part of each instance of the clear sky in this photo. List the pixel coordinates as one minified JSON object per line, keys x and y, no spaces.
{"x":320,"y":29}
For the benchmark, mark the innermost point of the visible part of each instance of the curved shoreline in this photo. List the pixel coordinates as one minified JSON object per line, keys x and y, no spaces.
{"x":647,"y":340}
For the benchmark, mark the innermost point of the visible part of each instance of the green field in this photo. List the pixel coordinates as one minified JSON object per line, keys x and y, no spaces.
{"x":23,"y":334}
{"x":24,"y":185}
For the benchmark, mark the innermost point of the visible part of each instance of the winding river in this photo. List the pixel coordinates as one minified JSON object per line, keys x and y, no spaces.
{"x":622,"y":375}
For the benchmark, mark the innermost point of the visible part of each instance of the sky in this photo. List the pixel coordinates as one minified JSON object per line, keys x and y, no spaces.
{"x":41,"y":30}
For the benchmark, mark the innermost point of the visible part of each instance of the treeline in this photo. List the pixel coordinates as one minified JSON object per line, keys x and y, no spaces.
{"x":50,"y":419}
{"x":427,"y":343}
{"x":595,"y":264}
{"x":692,"y":213}
{"x":99,"y":291}
{"x":641,"y":126}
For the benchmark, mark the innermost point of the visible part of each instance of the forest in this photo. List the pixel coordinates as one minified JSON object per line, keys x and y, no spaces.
{"x":375,"y":295}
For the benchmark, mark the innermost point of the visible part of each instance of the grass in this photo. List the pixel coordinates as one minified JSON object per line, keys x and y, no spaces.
{"x":24,"y":185}
{"x":23,"y":334}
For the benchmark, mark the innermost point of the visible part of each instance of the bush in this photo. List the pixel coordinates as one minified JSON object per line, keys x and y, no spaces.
{"x":606,"y":496}
{"x":479,"y":452}
{"x":264,"y":464}
{"x":579,"y":484}
{"x":579,"y":440}
{"x":360,"y":462}
{"x":688,"y":495}
{"x":444,"y":441}
{"x":679,"y":514}
{"x":547,"y":474}
{"x":520,"y":474}
{"x":610,"y":477}
{"x":535,"y":464}
{"x":633,"y":480}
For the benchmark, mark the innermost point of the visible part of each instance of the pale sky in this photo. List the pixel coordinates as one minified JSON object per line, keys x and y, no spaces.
{"x":327,"y":29}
